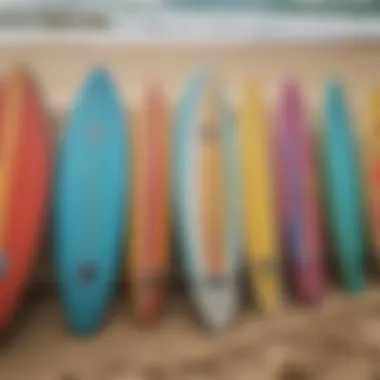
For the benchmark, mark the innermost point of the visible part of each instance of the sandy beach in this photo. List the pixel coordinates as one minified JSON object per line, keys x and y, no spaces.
{"x":339,"y":340}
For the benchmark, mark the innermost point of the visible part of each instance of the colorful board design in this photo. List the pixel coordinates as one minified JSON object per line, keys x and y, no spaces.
{"x":24,"y":185}
{"x":371,"y":155}
{"x":342,"y":186}
{"x":150,"y":209}
{"x":260,"y":225}
{"x":206,"y":191}
{"x":92,"y":192}
{"x":297,"y":192}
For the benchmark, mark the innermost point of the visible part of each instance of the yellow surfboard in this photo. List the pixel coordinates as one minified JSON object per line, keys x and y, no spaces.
{"x":258,"y":200}
{"x":371,"y":161}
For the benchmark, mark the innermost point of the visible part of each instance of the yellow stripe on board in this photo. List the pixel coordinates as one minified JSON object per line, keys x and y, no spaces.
{"x":12,"y":98}
{"x":260,"y":225}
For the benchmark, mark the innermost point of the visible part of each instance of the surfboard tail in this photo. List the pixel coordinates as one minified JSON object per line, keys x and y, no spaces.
{"x":269,"y":295}
{"x":266,"y":283}
{"x":8,"y":303}
{"x":217,"y":303}
{"x":353,"y":276}
{"x":311,"y":282}
{"x":86,"y":309}
{"x":151,"y":308}
{"x":149,"y":299}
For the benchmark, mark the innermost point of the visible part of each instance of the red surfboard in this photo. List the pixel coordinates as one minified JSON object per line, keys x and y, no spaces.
{"x":150,"y":209}
{"x":24,"y":178}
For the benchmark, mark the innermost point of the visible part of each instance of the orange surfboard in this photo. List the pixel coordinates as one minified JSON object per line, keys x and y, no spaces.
{"x":24,"y":168}
{"x":150,"y":207}
{"x":206,"y":189}
{"x":211,"y":202}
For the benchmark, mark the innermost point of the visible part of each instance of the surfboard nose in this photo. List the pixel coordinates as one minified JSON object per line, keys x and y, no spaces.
{"x":202,"y":73}
{"x":291,"y":105}
{"x":335,"y":104}
{"x":99,"y":81}
{"x":334,"y":85}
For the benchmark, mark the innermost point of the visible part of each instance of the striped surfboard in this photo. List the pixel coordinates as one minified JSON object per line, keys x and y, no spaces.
{"x":297,"y":194}
{"x":206,"y":192}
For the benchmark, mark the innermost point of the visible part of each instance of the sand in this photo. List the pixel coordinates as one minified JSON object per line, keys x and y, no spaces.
{"x":339,"y":340}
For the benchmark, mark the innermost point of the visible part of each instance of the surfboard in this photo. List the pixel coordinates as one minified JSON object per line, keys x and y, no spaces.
{"x":206,"y":191}
{"x":149,"y":244}
{"x":91,"y":202}
{"x":297,"y":191}
{"x":260,"y":226}
{"x":371,"y":161}
{"x":341,"y":174}
{"x":24,"y":185}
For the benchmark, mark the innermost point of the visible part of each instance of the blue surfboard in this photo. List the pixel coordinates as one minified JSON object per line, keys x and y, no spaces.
{"x":206,"y":184}
{"x":342,"y":181}
{"x":91,"y":195}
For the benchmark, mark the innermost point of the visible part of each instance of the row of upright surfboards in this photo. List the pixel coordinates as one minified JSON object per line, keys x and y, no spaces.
{"x":238,"y":188}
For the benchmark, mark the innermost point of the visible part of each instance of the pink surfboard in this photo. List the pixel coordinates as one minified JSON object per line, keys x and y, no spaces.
{"x":297,"y":194}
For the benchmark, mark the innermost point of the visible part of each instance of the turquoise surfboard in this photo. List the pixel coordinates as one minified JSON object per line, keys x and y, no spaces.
{"x":206,"y":199}
{"x":92,"y":189}
{"x":342,"y":185}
